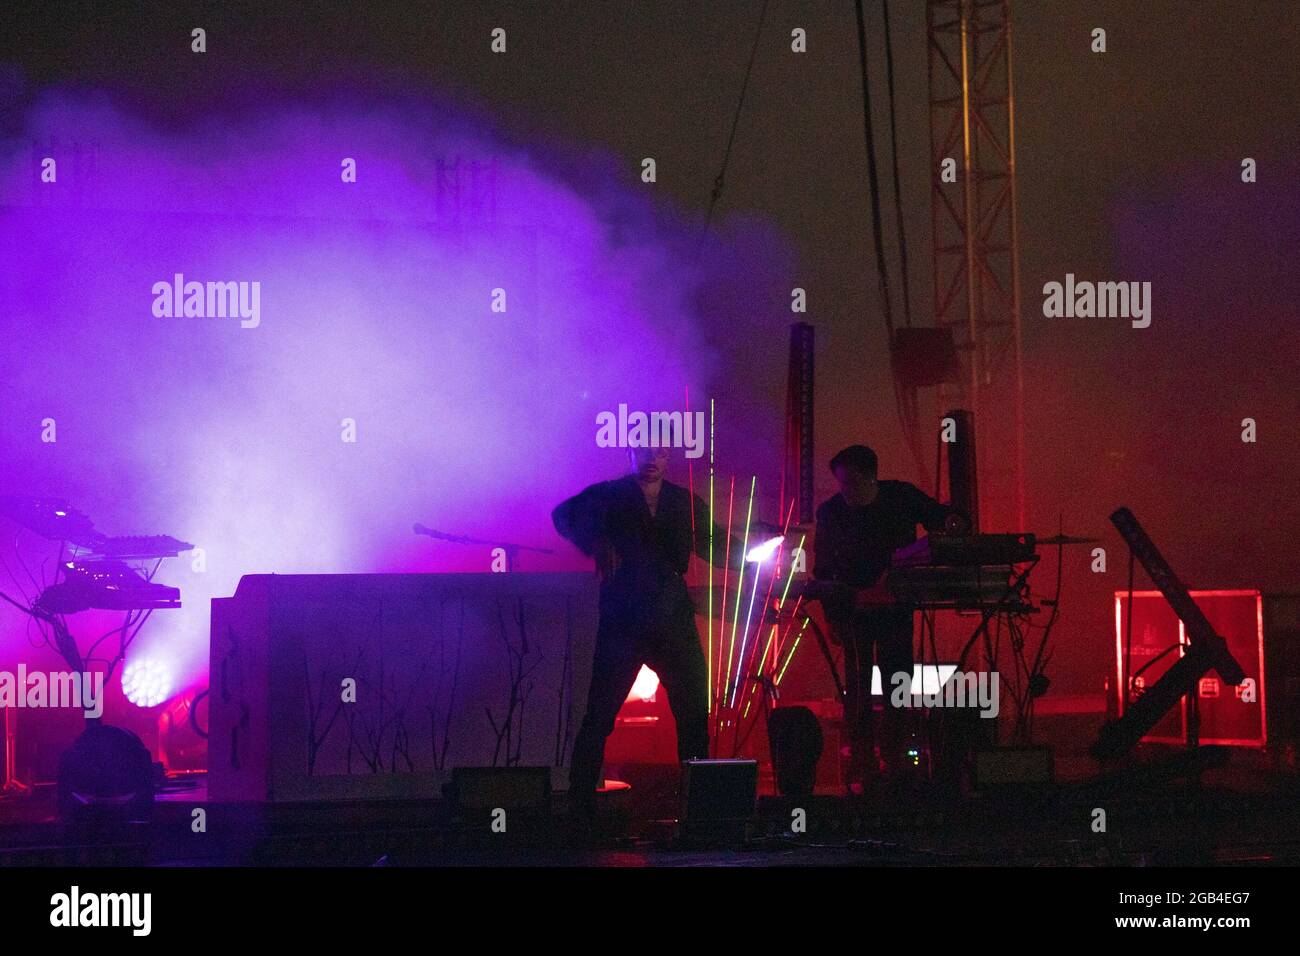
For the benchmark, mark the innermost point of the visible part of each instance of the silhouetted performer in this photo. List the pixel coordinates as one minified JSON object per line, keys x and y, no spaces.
{"x":639,"y":531}
{"x":857,"y":532}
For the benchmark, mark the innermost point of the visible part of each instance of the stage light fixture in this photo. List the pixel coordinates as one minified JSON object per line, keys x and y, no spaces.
{"x":146,"y":683}
{"x":764,"y":551}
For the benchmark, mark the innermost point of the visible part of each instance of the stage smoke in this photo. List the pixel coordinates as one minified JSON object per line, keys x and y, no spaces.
{"x":286,"y":339}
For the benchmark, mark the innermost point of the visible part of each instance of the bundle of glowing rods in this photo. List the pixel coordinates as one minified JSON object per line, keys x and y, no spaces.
{"x":726,"y":687}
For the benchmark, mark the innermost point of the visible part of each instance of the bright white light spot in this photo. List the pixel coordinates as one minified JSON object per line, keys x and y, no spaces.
{"x":762,"y":552}
{"x":645,"y":685}
{"x":146,"y":683}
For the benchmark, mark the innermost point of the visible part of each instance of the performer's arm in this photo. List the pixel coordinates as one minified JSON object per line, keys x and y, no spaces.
{"x":932,"y":515}
{"x":581,"y":519}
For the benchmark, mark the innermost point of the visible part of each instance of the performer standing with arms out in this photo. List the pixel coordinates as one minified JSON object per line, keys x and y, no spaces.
{"x":857,"y":532}
{"x":638,"y":529}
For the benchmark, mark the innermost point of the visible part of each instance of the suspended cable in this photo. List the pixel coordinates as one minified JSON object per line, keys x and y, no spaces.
{"x":907,"y":414}
{"x":873,"y":177}
{"x":898,"y":195}
{"x":716,"y":194}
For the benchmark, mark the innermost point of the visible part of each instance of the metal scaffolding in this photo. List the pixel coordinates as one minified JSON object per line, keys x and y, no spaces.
{"x":974,"y":223}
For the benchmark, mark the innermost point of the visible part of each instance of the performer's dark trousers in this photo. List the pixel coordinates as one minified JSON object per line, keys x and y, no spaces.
{"x":669,"y":645}
{"x":885,"y":633}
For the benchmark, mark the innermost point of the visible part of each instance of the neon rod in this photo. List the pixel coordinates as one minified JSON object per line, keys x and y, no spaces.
{"x":740,"y":580}
{"x":792,"y":650}
{"x":709,"y":569}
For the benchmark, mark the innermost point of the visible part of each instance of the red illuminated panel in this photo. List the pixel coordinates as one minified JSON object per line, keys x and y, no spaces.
{"x":1228,"y":717}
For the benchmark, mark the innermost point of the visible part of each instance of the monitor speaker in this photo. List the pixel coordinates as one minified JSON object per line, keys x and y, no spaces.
{"x":717,"y":791}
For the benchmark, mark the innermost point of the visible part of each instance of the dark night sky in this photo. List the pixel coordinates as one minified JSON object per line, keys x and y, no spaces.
{"x":1129,"y":170}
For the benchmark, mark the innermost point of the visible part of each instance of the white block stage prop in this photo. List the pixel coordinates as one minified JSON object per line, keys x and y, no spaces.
{"x":376,"y":686}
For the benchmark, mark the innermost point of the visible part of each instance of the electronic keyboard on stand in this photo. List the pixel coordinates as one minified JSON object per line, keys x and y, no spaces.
{"x":942,"y":573}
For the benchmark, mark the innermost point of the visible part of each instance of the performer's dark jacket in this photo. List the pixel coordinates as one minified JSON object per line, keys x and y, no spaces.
{"x":647,"y":592}
{"x":853,"y":545}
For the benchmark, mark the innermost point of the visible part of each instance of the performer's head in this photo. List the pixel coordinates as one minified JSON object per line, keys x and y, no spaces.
{"x":648,"y":464}
{"x":855,"y":469}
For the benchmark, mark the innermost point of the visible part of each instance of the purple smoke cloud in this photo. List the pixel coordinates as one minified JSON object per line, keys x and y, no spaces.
{"x":375,"y":306}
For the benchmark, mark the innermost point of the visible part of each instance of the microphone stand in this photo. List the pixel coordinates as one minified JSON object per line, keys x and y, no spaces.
{"x":510,"y":548}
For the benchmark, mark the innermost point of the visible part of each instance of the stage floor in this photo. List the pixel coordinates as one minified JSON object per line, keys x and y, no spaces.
{"x":1239,"y":814}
